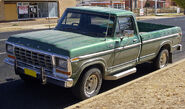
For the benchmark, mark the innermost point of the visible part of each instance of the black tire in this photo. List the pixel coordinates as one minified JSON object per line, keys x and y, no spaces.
{"x":162,"y":59}
{"x":82,"y":89}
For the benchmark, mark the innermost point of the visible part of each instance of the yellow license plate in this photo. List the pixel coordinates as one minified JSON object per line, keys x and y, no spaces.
{"x":30,"y":72}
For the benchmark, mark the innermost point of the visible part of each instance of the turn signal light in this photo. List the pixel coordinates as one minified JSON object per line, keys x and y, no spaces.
{"x":59,"y":71}
{"x":10,"y":56}
{"x":75,"y":59}
{"x":180,"y":34}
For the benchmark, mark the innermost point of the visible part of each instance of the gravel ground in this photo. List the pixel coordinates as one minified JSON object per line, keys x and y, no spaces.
{"x":162,"y":90}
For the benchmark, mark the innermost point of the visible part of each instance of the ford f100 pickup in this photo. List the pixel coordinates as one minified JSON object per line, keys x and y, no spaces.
{"x":89,"y":45}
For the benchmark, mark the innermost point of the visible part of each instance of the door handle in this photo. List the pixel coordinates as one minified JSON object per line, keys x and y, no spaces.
{"x":134,"y":40}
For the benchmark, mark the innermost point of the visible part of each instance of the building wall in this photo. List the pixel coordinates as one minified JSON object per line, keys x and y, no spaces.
{"x":152,"y":4}
{"x":168,"y":3}
{"x":63,"y":4}
{"x":1,"y":10}
{"x":10,"y":12}
{"x":8,"y":8}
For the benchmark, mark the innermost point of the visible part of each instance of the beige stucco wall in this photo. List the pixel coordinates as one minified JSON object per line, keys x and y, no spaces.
{"x":10,"y":11}
{"x":1,"y":10}
{"x":63,"y":4}
{"x":28,"y":0}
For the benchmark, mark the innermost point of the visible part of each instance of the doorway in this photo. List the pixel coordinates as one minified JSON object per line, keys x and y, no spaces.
{"x":33,"y":11}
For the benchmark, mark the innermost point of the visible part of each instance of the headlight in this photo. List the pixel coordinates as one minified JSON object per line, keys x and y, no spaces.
{"x":61,"y":63}
{"x":9,"y":48}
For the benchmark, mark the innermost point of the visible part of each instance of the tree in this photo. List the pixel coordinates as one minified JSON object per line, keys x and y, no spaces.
{"x":147,"y":4}
{"x":180,"y":3}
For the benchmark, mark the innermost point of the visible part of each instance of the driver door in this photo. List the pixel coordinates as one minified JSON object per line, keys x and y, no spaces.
{"x":127,"y":44}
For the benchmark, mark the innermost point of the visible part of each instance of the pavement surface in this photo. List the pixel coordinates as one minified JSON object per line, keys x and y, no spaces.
{"x":14,"y":93}
{"x":162,"y":89}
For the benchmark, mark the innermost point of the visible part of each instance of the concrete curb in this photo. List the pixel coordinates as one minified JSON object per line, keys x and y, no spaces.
{"x":77,"y":105}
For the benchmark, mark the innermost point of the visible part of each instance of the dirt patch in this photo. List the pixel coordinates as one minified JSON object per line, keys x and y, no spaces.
{"x":165,"y":90}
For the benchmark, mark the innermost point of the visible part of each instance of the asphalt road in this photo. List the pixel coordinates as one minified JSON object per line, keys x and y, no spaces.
{"x":15,"y":94}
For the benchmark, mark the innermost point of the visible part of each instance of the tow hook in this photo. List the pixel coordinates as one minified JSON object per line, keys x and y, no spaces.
{"x":43,"y":76}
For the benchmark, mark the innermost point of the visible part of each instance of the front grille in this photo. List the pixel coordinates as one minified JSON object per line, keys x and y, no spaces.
{"x":34,"y":58}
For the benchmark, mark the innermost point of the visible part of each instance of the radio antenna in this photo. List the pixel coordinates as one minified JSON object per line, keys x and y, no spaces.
{"x":108,"y":20}
{"x":48,"y":22}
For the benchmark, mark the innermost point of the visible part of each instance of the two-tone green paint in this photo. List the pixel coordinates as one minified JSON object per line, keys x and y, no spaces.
{"x":112,"y":54}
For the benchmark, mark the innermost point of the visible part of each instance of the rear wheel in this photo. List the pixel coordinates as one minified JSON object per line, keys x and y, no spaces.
{"x":88,"y":85}
{"x":162,"y":59}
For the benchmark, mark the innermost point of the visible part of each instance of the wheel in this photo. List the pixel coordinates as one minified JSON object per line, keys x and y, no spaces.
{"x":162,"y":59}
{"x":89,"y":84}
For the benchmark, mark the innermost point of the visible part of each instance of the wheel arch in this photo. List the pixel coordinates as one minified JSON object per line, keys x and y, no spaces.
{"x":166,"y":45}
{"x":98,"y":63}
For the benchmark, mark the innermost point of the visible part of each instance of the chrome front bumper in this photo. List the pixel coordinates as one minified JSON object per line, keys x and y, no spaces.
{"x":49,"y":77}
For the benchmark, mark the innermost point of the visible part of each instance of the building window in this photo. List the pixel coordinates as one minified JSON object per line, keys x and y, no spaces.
{"x":119,"y":6}
{"x":37,"y":9}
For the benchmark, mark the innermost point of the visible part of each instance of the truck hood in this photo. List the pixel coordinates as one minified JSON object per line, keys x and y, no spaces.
{"x":60,"y":42}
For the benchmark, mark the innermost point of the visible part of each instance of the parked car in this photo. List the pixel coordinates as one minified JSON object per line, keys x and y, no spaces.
{"x":89,"y":45}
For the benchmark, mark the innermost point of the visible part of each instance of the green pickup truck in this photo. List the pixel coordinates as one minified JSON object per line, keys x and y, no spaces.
{"x":89,"y":45}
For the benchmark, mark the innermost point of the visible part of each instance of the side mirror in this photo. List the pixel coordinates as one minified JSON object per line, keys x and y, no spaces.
{"x":128,"y":33}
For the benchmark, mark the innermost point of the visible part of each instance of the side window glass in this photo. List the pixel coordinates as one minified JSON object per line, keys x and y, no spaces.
{"x":72,"y":19}
{"x":126,"y":26}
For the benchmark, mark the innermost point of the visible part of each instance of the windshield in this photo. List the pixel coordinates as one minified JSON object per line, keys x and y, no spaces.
{"x":86,"y":23}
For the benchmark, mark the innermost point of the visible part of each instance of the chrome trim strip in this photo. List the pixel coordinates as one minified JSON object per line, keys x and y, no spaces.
{"x":95,"y":54}
{"x":131,"y":46}
{"x":162,"y":37}
{"x":128,"y":46}
{"x":105,"y":52}
{"x":147,"y":55}
{"x":122,"y":64}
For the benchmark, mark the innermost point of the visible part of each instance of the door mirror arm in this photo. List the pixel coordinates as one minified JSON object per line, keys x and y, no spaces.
{"x":121,"y":38}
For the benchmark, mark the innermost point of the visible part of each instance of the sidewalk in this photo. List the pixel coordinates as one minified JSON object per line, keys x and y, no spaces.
{"x":162,"y":89}
{"x":44,"y":24}
{"x":27,"y":25}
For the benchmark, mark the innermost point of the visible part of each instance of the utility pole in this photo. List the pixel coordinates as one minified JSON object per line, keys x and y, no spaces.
{"x":155,"y":7}
{"x":141,"y":4}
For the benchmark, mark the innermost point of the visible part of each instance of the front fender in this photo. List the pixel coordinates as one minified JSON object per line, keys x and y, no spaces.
{"x":87,"y":63}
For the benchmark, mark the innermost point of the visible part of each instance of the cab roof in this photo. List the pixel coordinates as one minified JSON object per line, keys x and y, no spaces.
{"x":103,"y":10}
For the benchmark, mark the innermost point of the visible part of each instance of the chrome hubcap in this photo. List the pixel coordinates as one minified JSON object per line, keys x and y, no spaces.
{"x":91,"y":84}
{"x":163,"y":60}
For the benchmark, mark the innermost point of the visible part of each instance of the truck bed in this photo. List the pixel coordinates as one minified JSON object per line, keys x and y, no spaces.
{"x":150,"y":31}
{"x":153,"y":36}
{"x":149,"y":27}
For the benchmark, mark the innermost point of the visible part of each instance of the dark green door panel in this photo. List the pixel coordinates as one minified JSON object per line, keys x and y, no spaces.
{"x":126,"y":52}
